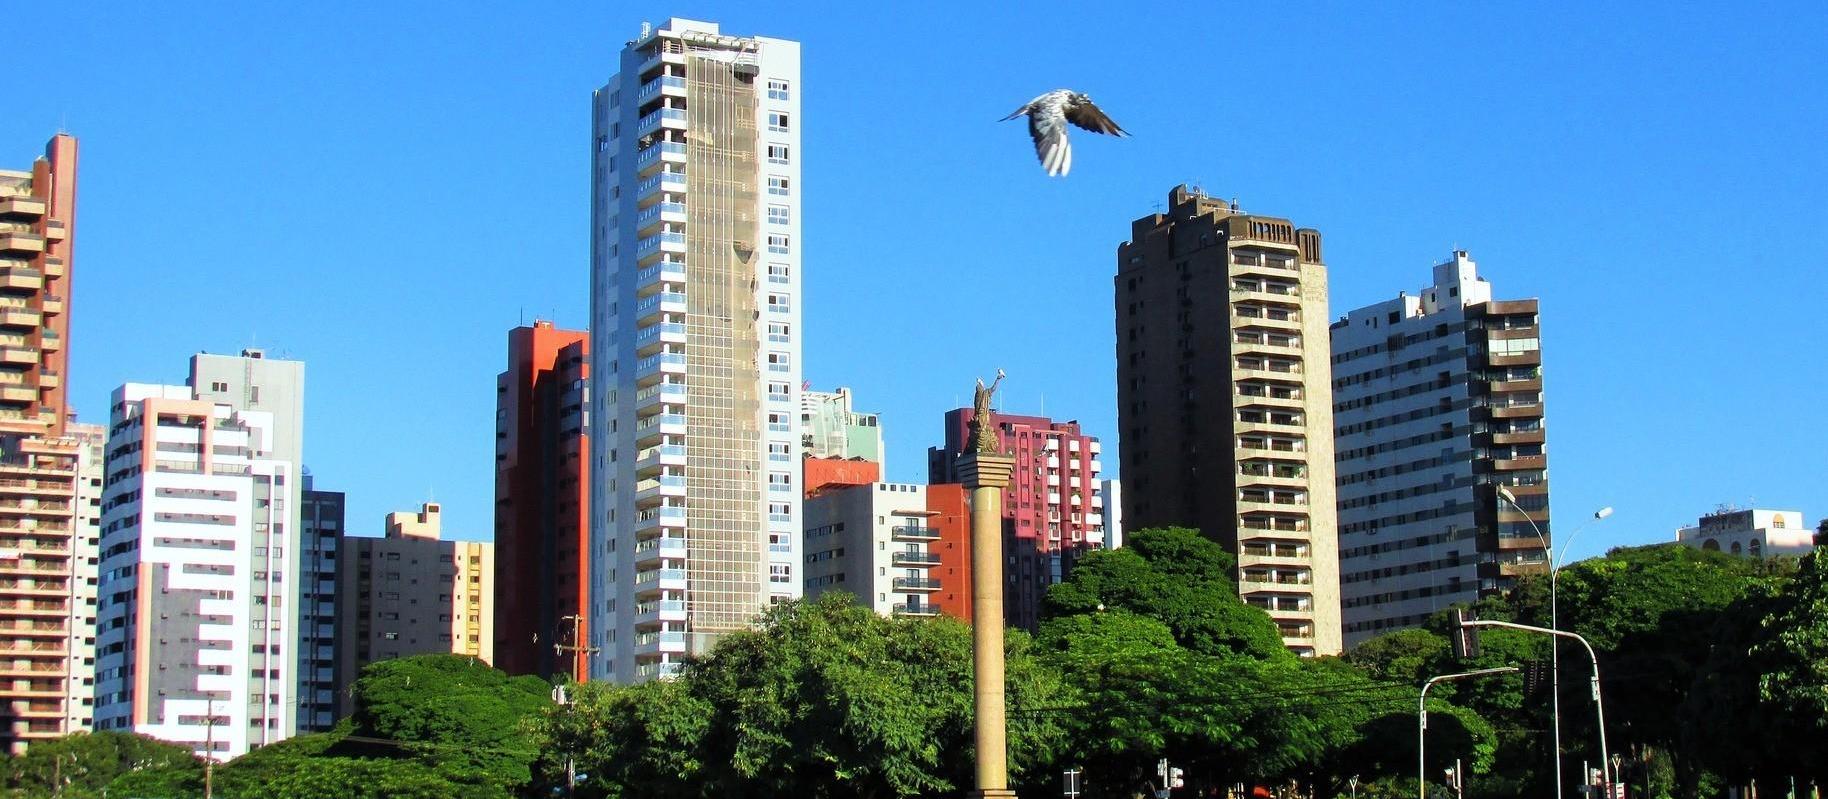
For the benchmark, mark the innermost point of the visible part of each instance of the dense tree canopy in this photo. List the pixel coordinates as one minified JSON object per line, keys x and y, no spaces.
{"x":823,"y":699}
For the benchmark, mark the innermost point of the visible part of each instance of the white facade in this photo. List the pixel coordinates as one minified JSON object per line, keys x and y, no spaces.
{"x":695,"y":343}
{"x":195,"y":618}
{"x":1419,"y":529}
{"x":85,"y":544}
{"x":1111,"y":492}
{"x":874,"y":542}
{"x":1750,"y":532}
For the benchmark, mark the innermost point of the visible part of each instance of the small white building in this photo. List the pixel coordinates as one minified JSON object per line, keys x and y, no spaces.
{"x":883,"y":543}
{"x":1752,"y":532}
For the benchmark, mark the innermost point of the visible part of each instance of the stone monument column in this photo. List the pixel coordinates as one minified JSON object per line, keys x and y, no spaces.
{"x":985,"y":476}
{"x":985,"y":471}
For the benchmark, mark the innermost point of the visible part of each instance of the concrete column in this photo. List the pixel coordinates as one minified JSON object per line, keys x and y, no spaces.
{"x":986,"y":476}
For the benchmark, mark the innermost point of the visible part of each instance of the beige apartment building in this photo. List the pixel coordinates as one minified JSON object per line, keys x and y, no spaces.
{"x":50,"y":473}
{"x":412,"y":593}
{"x":1224,"y":401}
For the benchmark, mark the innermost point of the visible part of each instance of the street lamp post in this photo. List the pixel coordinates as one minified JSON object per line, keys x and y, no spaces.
{"x":1505,"y":494}
{"x":1421,"y":723}
{"x":1599,"y":704}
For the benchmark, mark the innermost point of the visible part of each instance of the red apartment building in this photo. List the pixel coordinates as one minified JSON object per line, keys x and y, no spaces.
{"x":542,"y":503}
{"x":1053,"y":509}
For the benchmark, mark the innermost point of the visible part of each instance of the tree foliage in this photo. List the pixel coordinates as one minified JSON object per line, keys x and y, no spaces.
{"x":85,"y":763}
{"x":822,"y":699}
{"x":1178,"y":577}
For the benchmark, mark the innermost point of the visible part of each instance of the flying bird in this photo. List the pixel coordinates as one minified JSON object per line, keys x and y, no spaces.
{"x":1047,"y":118}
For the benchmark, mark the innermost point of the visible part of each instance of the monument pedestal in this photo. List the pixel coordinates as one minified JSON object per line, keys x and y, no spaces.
{"x":986,"y":475}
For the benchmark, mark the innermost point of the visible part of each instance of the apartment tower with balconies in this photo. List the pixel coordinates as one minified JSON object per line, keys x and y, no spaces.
{"x":1053,"y":507}
{"x":695,"y":344}
{"x":48,"y":518}
{"x":1223,"y":401}
{"x":1437,"y":402}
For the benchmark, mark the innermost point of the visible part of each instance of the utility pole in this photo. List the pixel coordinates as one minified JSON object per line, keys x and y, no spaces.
{"x":209,"y":747}
{"x":577,"y":633}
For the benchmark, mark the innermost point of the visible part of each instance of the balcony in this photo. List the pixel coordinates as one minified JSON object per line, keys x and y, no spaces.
{"x":668,"y":485}
{"x":1521,"y":462}
{"x":666,"y":332}
{"x":20,"y":241}
{"x":653,"y":153}
{"x":916,"y":609}
{"x":658,"y":671}
{"x":53,"y":266}
{"x":667,"y":362}
{"x":660,"y":456}
{"x":914,"y":559}
{"x":658,"y":213}
{"x":14,"y":392}
{"x":664,"y":641}
{"x":653,"y":87}
{"x":655,"y":610}
{"x":916,"y":584}
{"x":659,"y":275}
{"x":663,"y":547}
{"x":913,"y":532}
{"x":20,"y":356}
{"x":670,"y":117}
{"x":23,"y":204}
{"x":664,"y":302}
{"x":671,"y":242}
{"x":53,"y":304}
{"x":49,"y":340}
{"x":663,"y":517}
{"x":56,"y":230}
{"x":16,"y":316}
{"x":665,"y":181}
{"x":15,"y":277}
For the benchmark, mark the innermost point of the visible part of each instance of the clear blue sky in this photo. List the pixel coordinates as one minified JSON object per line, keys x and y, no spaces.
{"x":383,"y":189}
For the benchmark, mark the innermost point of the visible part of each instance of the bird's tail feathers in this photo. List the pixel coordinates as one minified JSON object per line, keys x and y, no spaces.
{"x":1016,"y":113}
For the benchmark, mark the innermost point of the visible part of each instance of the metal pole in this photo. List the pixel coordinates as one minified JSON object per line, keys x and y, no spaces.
{"x":1421,"y":722}
{"x":1554,"y":644}
{"x":1599,"y":704}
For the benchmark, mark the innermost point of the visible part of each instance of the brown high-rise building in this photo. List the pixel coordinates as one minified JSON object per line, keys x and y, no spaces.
{"x":49,"y":475}
{"x":542,"y":525}
{"x":1224,"y":403}
{"x":413,"y":592}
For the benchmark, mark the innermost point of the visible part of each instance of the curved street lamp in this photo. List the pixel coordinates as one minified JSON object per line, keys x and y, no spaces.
{"x":1504,"y":493}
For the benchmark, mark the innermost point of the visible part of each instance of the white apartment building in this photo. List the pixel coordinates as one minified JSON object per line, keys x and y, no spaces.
{"x":85,"y":551}
{"x":879,"y":543}
{"x":1753,"y":532}
{"x":1437,"y":401}
{"x":695,"y":343}
{"x":195,"y":629}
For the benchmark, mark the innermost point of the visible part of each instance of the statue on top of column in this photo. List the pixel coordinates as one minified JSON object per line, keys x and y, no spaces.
{"x":983,"y":422}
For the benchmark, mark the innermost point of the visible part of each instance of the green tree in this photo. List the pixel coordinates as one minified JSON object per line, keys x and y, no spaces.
{"x":1179,"y":577}
{"x":821,"y":699}
{"x":86,"y":763}
{"x":454,"y":714}
{"x":1793,"y":683}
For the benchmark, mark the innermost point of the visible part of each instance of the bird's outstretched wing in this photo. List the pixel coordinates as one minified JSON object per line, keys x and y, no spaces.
{"x":1086,"y":115}
{"x":1047,"y":125}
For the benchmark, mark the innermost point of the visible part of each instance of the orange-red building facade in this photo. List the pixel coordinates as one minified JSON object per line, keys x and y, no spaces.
{"x":542,"y":505}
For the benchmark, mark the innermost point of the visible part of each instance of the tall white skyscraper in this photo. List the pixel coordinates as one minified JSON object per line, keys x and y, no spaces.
{"x":695,"y":344}
{"x":1437,"y":405}
{"x":197,"y":624}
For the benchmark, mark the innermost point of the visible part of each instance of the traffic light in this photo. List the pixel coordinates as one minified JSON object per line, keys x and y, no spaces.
{"x":1174,"y":778}
{"x":1535,"y":677}
{"x":1465,"y":638}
